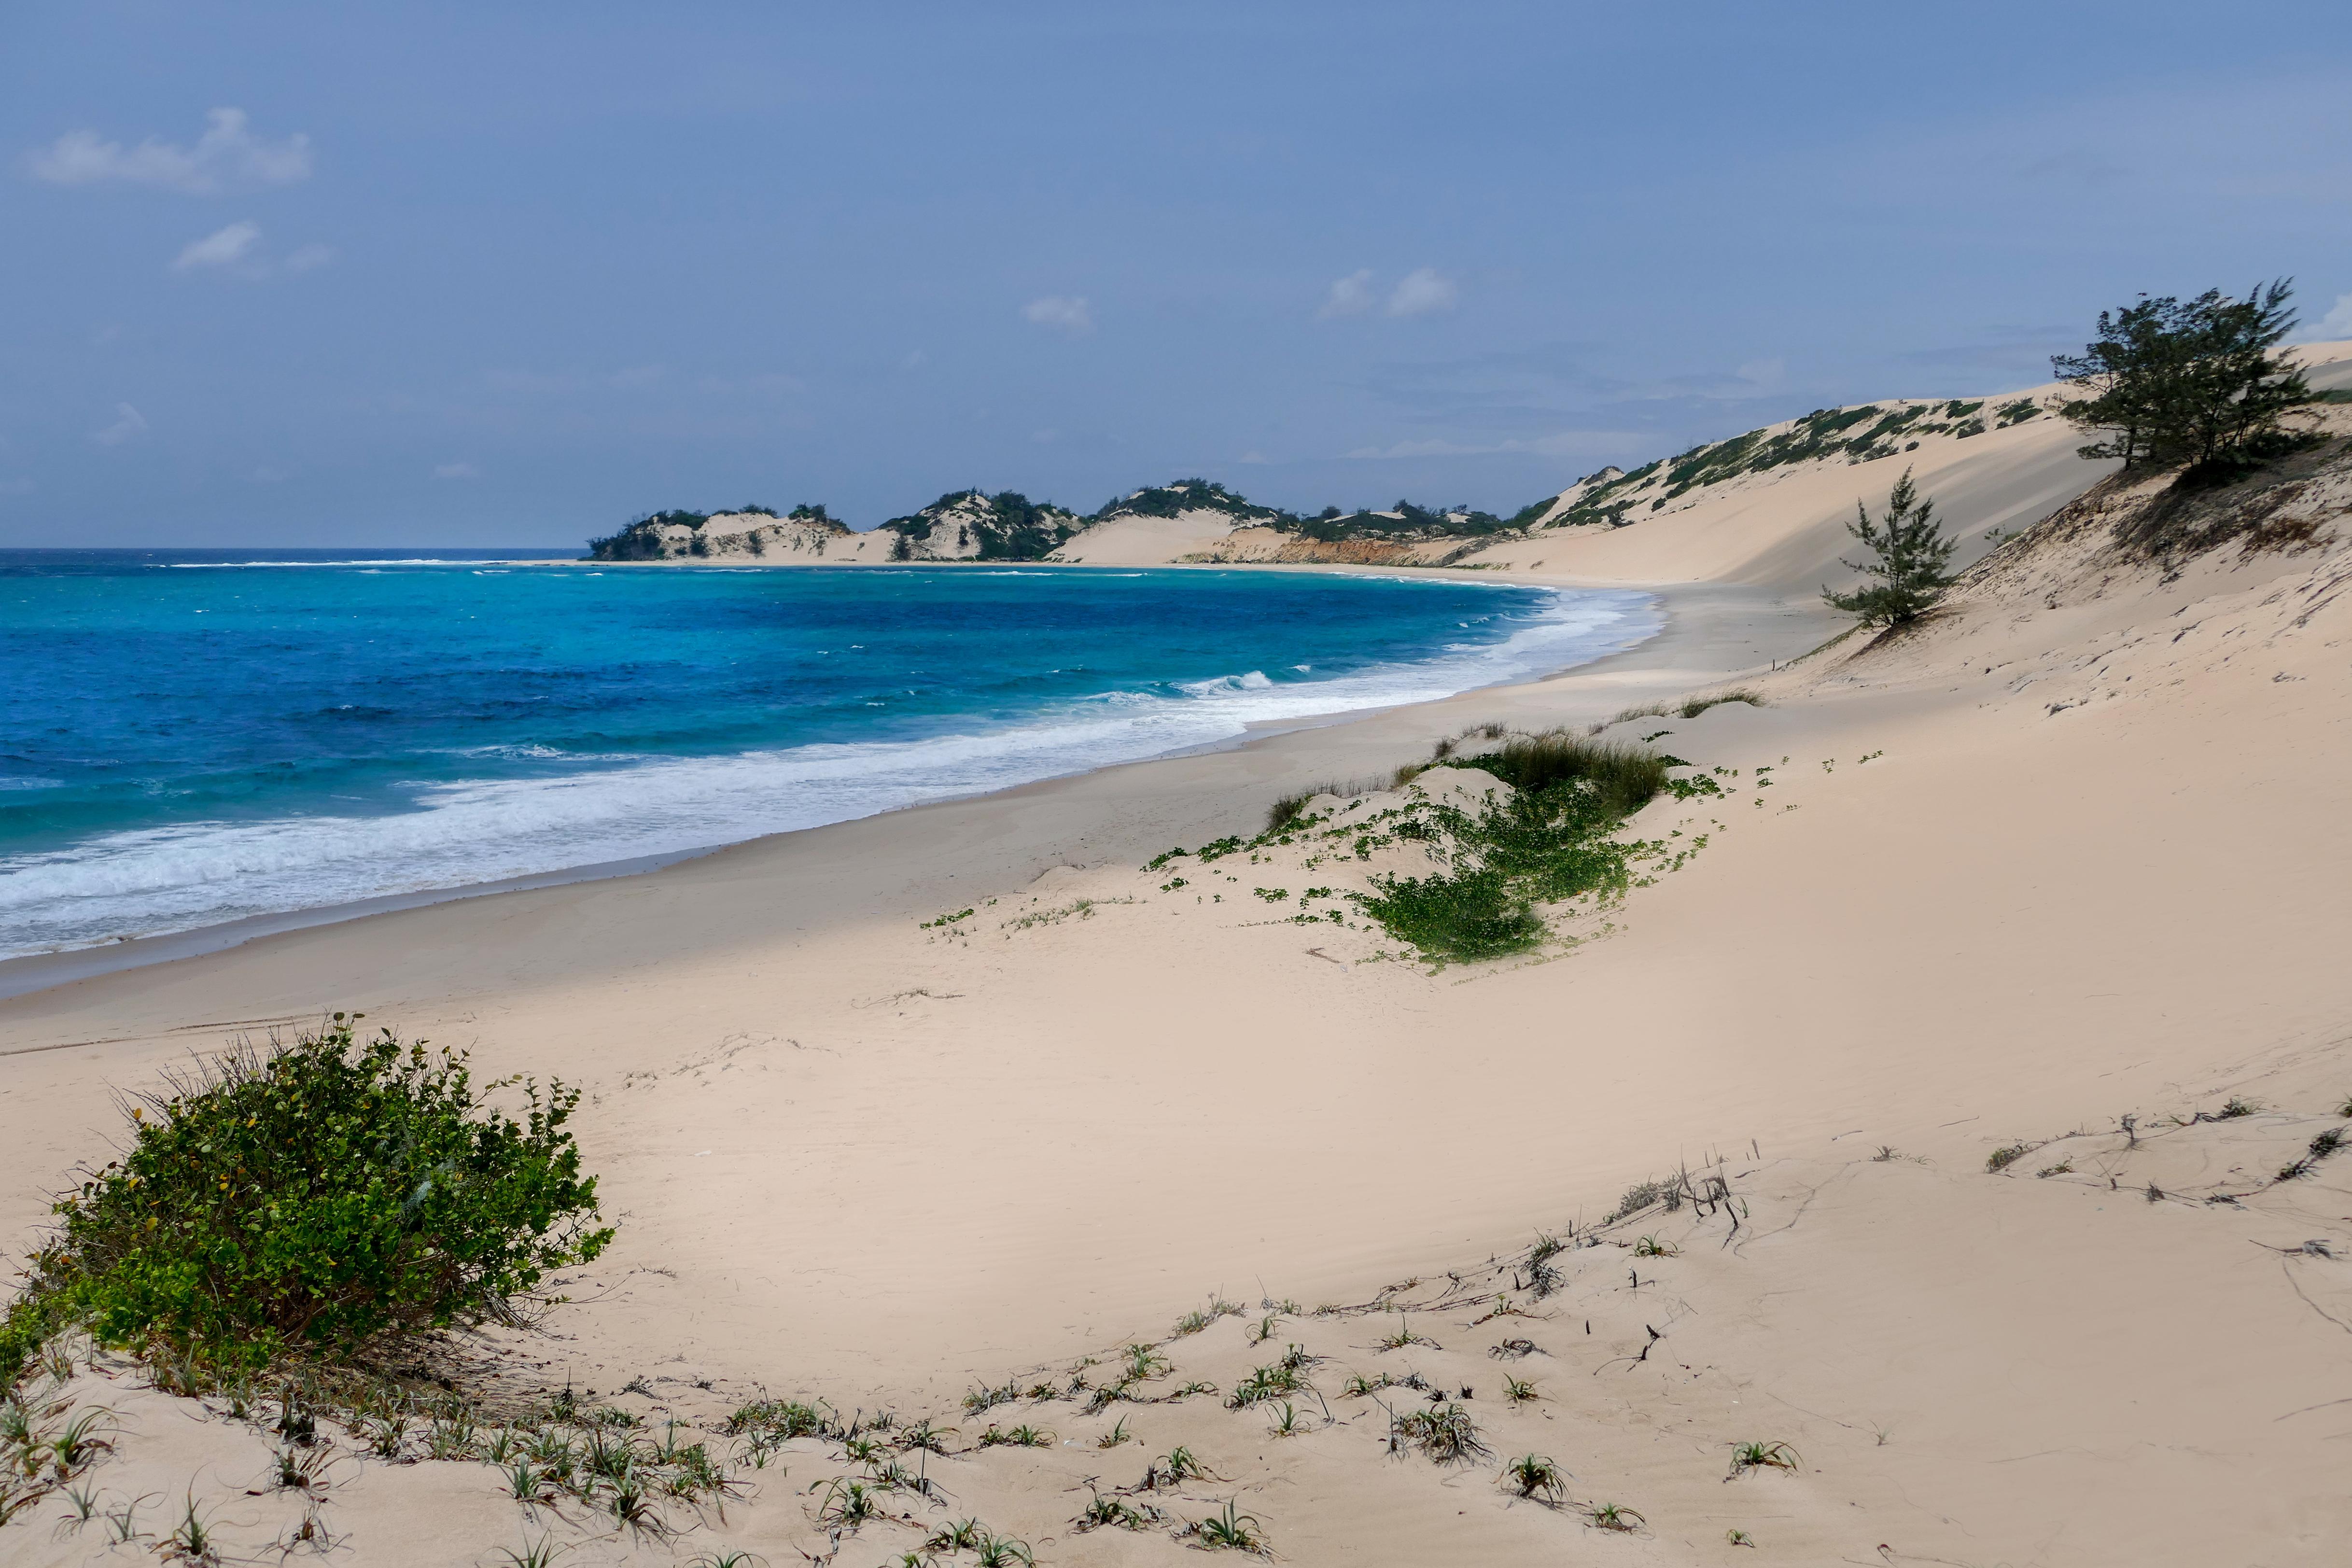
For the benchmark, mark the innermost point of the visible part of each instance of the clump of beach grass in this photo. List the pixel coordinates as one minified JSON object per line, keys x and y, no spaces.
{"x":1230,"y":1531}
{"x":1445,"y":1433}
{"x":1689,"y":707}
{"x":1538,"y":1476}
{"x":1614,"y":1516}
{"x":1760,"y":1455}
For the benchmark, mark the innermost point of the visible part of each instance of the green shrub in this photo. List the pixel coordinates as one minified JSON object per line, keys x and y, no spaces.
{"x":1553,"y":839}
{"x":320,"y":1198}
{"x":1625,"y":779}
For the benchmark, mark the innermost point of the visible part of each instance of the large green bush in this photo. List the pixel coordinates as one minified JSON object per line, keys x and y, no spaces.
{"x":322,"y":1198}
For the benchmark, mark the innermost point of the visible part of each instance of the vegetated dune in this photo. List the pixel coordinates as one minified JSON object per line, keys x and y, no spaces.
{"x":1785,"y":529}
{"x":1977,"y":1079}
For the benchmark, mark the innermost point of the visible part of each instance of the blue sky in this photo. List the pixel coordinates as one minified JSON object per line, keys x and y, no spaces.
{"x":510,"y":275}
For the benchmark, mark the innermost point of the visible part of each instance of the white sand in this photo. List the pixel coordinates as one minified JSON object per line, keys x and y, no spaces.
{"x":2093,"y":867}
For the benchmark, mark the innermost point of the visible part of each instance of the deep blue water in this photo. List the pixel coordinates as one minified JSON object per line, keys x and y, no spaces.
{"x":188,"y":737}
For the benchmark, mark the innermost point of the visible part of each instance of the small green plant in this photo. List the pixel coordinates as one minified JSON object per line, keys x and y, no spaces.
{"x":964,"y":1534}
{"x":1172,"y":1469}
{"x":1003,"y":1552}
{"x":1613,"y":1516}
{"x":1738,"y":1538}
{"x":1270,"y":1382}
{"x":192,"y":1539}
{"x":979,"y":1400}
{"x":1746,"y":1457}
{"x":1445,"y":1433}
{"x":923,"y":1434}
{"x":1194,"y":1323}
{"x":846,"y":1504}
{"x":1285,"y":1421}
{"x":2003,"y":1158}
{"x":1651,"y":1246}
{"x":1519,"y":1391}
{"x":539,"y":1554}
{"x":2235,"y":1108}
{"x":524,"y":1482}
{"x":1230,"y":1531}
{"x":1538,"y":1477}
{"x":1403,"y":1336}
{"x":1144,"y":1362}
{"x":1115,"y":1436}
{"x":1102,"y":1510}
{"x":1021,"y":1437}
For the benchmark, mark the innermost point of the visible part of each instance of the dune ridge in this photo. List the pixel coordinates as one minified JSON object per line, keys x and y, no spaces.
{"x":1954,"y":1136}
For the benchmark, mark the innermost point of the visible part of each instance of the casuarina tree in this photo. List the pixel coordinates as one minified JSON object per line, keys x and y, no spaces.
{"x":2198,"y":382}
{"x":1908,"y":554}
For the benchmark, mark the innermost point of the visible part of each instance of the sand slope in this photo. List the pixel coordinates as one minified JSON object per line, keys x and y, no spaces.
{"x":2071,"y":853}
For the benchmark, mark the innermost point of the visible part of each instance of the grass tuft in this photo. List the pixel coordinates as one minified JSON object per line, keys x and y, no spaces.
{"x":1613,"y":1516}
{"x":1746,"y":1457}
{"x":1445,"y":1433}
{"x":1230,"y":1531}
{"x":1538,"y":1476}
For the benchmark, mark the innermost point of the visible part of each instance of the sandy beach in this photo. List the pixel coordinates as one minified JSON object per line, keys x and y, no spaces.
{"x":2061,"y":869}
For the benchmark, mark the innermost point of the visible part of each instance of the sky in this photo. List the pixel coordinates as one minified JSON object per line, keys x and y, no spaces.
{"x":288,"y":274}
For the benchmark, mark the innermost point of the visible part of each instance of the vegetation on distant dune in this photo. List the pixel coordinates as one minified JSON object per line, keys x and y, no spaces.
{"x":1909,"y":554}
{"x":317,"y":1200}
{"x":1182,"y":496}
{"x":2197,"y":382}
{"x":1007,"y":526}
{"x":1402,"y":522}
{"x":1859,"y":435}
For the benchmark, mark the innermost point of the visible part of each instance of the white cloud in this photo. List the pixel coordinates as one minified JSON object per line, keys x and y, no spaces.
{"x":1764,"y":372}
{"x":1423,"y":290}
{"x":128,"y":422}
{"x":222,"y":247}
{"x":227,"y":152}
{"x":2336,"y":323}
{"x":1348,"y":296}
{"x":307,"y":256}
{"x":1254,"y":456}
{"x":456,"y":471}
{"x":1063,"y":313}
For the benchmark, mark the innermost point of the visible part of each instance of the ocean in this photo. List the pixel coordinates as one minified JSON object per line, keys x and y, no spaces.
{"x":190,"y":737}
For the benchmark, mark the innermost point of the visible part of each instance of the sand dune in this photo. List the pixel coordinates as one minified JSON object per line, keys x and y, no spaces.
{"x":2071,"y":853}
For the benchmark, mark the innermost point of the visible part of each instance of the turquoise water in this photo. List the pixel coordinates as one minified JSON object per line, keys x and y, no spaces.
{"x":189,"y":737}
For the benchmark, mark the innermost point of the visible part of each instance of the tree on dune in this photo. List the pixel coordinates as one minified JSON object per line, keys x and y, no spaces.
{"x":1908,"y":554}
{"x":2197,"y":382}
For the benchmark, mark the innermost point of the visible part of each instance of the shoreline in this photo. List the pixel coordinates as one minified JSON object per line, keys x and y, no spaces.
{"x":31,"y":973}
